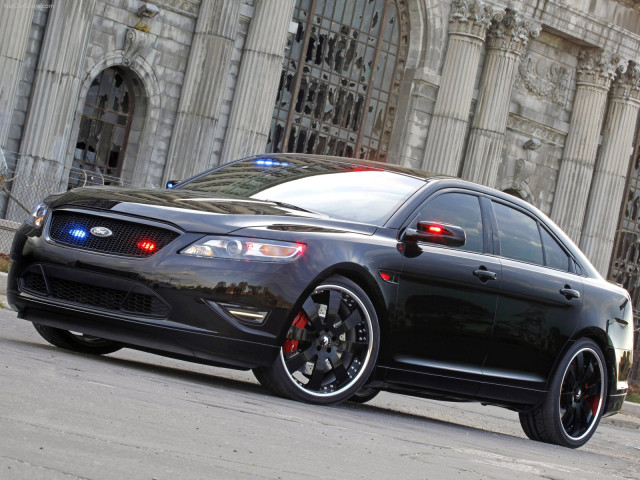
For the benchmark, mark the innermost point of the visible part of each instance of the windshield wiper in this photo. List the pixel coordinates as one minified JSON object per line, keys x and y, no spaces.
{"x":291,"y":206}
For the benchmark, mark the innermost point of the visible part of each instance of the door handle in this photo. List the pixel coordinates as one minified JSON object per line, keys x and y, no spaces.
{"x":484,"y":274}
{"x":569,"y":292}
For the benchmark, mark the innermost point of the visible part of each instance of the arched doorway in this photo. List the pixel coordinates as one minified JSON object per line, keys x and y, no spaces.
{"x":104,"y":129}
{"x":341,"y":78}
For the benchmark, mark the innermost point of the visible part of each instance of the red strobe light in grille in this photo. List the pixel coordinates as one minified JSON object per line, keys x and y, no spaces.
{"x":147,"y":246}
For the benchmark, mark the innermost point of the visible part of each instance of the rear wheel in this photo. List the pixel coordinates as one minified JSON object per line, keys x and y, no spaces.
{"x":331,"y":347}
{"x":76,"y":342}
{"x":573,"y":407}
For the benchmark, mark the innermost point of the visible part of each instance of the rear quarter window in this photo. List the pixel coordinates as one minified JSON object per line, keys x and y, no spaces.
{"x":519,"y":235}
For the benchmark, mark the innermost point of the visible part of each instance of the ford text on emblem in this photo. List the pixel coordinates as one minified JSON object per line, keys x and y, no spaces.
{"x":101,"y":232}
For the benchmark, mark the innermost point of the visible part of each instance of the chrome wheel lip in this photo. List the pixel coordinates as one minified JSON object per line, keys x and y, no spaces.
{"x":596,"y":415}
{"x":365,"y":361}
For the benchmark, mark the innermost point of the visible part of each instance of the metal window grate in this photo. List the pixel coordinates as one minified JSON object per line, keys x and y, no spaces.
{"x":341,"y":79}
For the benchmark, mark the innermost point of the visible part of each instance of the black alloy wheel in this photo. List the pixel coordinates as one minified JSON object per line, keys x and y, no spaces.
{"x":76,"y":342}
{"x":574,"y":405}
{"x":331,"y":347}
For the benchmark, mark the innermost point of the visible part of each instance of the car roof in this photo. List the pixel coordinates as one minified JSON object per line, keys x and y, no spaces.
{"x":355,"y":162}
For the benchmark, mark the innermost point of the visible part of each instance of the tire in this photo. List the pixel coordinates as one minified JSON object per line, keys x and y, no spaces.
{"x":572,"y":410}
{"x":76,"y":342}
{"x":364,"y":395}
{"x":330,"y":349}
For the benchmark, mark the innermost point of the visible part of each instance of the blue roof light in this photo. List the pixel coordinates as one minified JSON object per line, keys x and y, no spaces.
{"x":268,"y":162}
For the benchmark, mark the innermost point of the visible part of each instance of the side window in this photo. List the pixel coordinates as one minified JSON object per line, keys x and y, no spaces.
{"x":554,"y":254}
{"x":457,"y":209}
{"x":519,"y":235}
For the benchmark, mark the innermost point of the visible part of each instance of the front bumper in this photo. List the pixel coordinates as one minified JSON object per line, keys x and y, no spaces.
{"x":165,"y":339}
{"x":167,"y":303}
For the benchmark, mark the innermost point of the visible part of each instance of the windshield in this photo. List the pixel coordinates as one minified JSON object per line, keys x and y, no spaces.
{"x":359,"y":193}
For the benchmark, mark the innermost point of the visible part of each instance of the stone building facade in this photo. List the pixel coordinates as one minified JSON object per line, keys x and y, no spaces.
{"x":537,"y":98}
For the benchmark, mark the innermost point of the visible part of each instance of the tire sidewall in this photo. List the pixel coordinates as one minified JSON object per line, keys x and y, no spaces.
{"x":68,"y":341}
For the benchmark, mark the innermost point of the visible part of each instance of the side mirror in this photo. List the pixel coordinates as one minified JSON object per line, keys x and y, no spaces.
{"x":172,"y":183}
{"x":435,"y":232}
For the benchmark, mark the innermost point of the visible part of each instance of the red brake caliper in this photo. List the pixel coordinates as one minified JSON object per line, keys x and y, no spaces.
{"x":593,"y":401}
{"x":290,"y":345}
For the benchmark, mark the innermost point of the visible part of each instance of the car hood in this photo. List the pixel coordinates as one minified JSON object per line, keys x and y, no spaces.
{"x":194,"y":211}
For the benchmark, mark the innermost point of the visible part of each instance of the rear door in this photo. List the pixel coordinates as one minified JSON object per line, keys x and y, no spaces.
{"x":539,"y":304}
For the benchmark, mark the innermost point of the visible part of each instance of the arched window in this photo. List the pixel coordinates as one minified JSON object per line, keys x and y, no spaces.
{"x":104,"y":129}
{"x":341,"y":78}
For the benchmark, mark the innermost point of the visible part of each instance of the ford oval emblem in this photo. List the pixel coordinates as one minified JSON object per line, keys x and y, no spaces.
{"x":101,"y":232}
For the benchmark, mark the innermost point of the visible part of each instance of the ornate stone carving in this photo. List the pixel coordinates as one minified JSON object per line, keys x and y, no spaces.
{"x":523,"y":170}
{"x":136,"y":42}
{"x":471,"y":17}
{"x":529,"y":128}
{"x":630,"y":3}
{"x":598,"y":68}
{"x":627,"y":83}
{"x":512,"y":32}
{"x":543,"y":78}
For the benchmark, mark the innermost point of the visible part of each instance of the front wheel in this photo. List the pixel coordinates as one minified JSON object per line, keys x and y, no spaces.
{"x":331,"y":347}
{"x":76,"y":342}
{"x":573,"y":407}
{"x":364,"y":395}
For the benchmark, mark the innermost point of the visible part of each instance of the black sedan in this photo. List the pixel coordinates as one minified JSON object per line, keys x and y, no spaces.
{"x":333,"y":279}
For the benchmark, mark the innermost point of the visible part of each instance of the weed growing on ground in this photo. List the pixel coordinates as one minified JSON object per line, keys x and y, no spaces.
{"x":633,"y":395}
{"x":5,"y":262}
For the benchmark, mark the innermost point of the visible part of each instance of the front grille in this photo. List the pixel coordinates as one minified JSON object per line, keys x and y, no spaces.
{"x":93,"y":290}
{"x":73,"y":229}
{"x":33,"y":281}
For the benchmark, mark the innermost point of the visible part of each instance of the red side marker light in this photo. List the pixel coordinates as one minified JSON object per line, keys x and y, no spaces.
{"x":434,"y":229}
{"x":387,"y":277}
{"x":147,"y":246}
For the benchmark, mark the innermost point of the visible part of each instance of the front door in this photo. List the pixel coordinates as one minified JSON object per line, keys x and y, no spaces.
{"x":447,"y":297}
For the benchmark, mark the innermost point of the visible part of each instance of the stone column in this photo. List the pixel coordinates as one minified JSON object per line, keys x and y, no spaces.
{"x":15,"y":23}
{"x":191,"y":148}
{"x":258,"y":78}
{"x":468,"y":23}
{"x":609,"y":176}
{"x":595,"y":72}
{"x":506,"y":41}
{"x":53,"y":103}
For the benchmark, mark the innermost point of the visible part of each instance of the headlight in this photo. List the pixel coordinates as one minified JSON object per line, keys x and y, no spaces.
{"x":38,"y":214}
{"x":245,"y":249}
